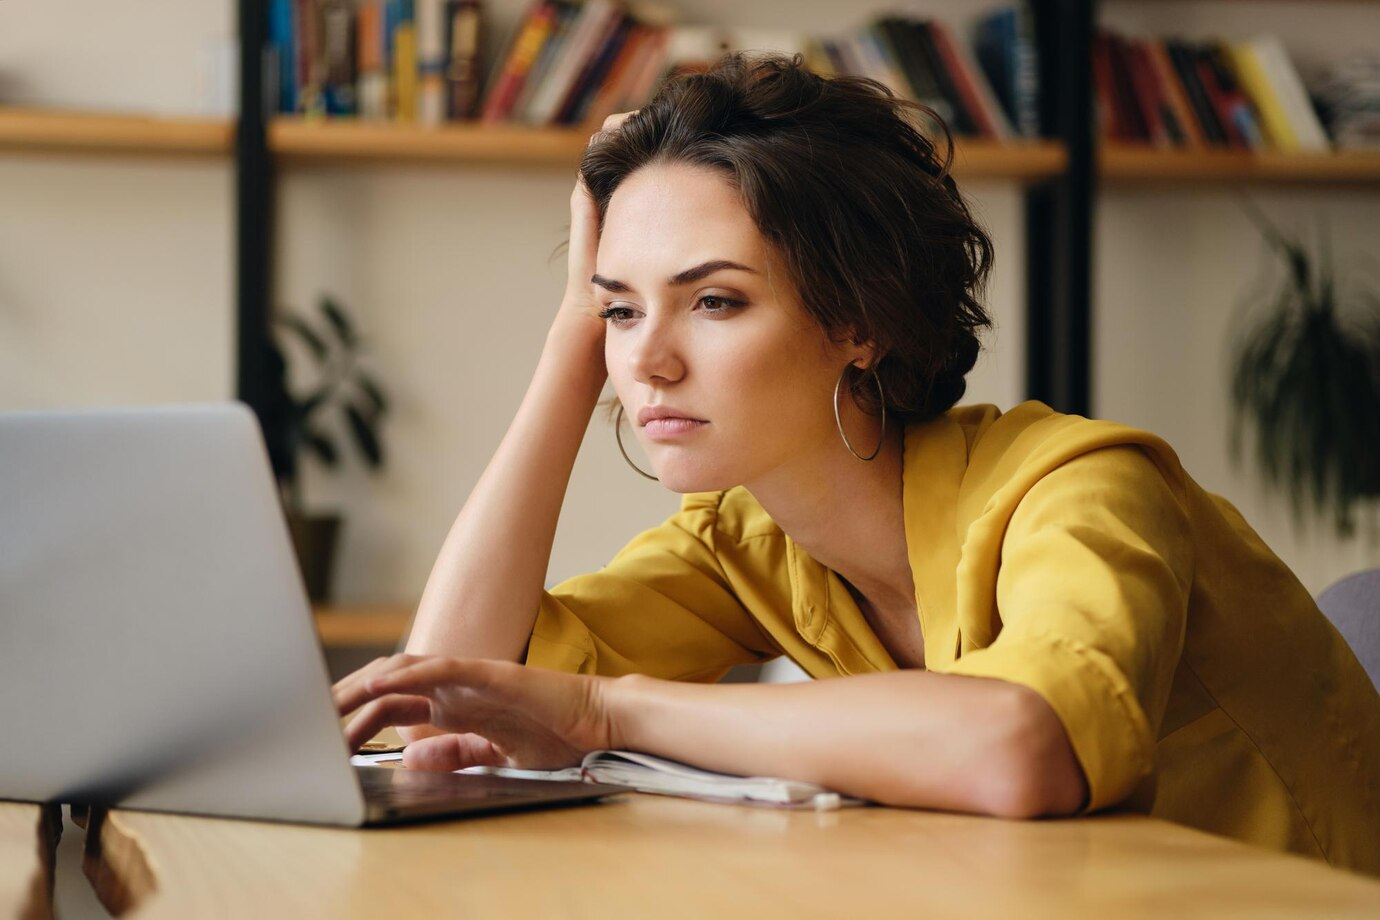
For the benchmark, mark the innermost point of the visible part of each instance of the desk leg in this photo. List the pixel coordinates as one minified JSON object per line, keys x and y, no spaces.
{"x":115,"y":864}
{"x":29,"y":836}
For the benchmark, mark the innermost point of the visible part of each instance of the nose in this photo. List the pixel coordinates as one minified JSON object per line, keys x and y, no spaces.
{"x":655,"y":355}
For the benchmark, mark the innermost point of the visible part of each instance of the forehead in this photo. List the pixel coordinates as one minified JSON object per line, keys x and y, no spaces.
{"x":676,"y":213}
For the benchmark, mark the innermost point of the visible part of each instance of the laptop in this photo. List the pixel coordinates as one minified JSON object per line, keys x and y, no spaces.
{"x":157,"y":649}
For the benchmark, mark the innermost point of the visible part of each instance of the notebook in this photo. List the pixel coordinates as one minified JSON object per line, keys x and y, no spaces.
{"x":646,"y":773}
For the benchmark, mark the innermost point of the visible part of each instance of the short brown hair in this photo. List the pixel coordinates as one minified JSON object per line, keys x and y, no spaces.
{"x":859,"y":202}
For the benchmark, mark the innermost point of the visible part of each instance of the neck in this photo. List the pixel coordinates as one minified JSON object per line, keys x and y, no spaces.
{"x":847,"y":513}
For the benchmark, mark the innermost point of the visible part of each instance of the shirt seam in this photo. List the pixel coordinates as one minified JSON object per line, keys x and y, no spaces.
{"x":1288,"y":788}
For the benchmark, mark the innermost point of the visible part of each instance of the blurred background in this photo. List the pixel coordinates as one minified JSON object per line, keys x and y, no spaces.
{"x":417,"y":174}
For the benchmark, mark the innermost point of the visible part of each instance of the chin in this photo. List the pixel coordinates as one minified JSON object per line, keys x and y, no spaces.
{"x":686,"y":478}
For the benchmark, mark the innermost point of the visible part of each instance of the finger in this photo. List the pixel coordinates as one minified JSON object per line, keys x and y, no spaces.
{"x":351,"y":693}
{"x":430,"y":673}
{"x":381,"y":713}
{"x":615,"y":121}
{"x":452,"y":752}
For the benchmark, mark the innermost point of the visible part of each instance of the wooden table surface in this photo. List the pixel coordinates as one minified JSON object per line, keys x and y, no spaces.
{"x":644,"y":856}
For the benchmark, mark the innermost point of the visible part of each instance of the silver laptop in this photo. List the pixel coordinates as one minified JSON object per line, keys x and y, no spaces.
{"x":157,"y":649}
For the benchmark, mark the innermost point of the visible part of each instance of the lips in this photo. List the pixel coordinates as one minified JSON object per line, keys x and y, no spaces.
{"x":664,"y":415}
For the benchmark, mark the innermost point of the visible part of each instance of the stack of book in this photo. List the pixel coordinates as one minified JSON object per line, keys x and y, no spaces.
{"x":1211,"y":94}
{"x":405,"y":60}
{"x":573,"y":62}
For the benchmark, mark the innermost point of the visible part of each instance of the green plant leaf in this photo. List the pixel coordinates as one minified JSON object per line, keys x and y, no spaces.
{"x":322,"y":446}
{"x":373,"y":392}
{"x":365,"y":436}
{"x":309,"y":337}
{"x":335,"y":315}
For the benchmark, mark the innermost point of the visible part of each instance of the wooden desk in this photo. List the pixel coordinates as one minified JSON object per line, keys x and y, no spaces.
{"x":641,"y":856}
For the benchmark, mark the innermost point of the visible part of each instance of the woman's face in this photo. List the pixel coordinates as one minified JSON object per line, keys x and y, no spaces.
{"x":706,"y":329}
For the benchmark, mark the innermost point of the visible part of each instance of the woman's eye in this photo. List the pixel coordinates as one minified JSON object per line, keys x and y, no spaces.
{"x":715,"y":304}
{"x":617,"y":316}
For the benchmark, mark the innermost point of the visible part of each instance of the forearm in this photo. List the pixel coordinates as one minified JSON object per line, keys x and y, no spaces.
{"x":912,"y":738}
{"x":482,"y":596}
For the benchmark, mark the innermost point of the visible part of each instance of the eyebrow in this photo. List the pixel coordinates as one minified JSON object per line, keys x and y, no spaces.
{"x":689,"y":276}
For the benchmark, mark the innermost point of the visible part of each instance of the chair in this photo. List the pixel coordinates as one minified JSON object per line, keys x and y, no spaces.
{"x":1353,"y":606}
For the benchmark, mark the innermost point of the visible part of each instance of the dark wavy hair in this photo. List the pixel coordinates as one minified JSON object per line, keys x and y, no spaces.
{"x":840,"y":178}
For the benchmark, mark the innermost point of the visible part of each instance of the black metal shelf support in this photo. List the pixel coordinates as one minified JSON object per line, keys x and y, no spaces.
{"x":253,"y":212}
{"x":1059,"y":213}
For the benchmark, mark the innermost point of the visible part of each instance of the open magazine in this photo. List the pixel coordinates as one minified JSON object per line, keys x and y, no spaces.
{"x":646,"y":773}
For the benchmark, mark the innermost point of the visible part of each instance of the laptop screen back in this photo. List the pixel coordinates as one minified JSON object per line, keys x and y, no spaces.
{"x":156,"y":645}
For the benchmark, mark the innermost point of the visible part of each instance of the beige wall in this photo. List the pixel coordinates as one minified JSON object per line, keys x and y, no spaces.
{"x":115,"y":283}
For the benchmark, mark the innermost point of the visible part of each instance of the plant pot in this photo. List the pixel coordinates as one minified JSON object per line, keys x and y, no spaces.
{"x":314,"y":538}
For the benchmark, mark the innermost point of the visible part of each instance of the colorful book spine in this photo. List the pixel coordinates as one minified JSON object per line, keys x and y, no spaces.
{"x":431,"y":61}
{"x":283,"y":41}
{"x":1173,"y":93}
{"x":535,"y":29}
{"x":403,"y":47}
{"x":1274,"y":121}
{"x":464,"y":62}
{"x":372,"y":57}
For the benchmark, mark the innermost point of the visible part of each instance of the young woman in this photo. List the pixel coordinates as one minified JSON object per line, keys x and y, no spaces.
{"x":1028,"y":613}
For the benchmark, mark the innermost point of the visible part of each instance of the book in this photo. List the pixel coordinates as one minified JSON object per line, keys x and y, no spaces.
{"x":281,"y":30}
{"x":603,"y":51}
{"x":1290,"y":89}
{"x":372,"y":90}
{"x":590,"y":24}
{"x":660,"y":776}
{"x":1181,"y":56}
{"x":337,"y":51}
{"x":531,"y":36}
{"x":404,"y":56}
{"x":962,"y":122}
{"x":1172,"y":92}
{"x":431,"y":61}
{"x":464,"y":61}
{"x":1005,"y":45}
{"x":972,"y":83}
{"x":1274,"y":121}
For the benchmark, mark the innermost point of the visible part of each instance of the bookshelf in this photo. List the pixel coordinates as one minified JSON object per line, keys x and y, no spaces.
{"x":295,"y":141}
{"x":1130,"y":163}
{"x":52,"y":131}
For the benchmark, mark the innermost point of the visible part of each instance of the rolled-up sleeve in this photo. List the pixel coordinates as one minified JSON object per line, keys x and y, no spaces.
{"x":1092,"y":593}
{"x":663,"y":607}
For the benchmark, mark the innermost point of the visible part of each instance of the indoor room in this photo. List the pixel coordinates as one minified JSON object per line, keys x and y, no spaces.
{"x":339,"y":336}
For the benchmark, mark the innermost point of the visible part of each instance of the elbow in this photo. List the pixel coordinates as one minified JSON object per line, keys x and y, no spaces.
{"x":1033,"y":771}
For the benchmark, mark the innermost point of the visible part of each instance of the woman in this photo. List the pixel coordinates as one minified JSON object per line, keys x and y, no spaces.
{"x":1033,"y":614}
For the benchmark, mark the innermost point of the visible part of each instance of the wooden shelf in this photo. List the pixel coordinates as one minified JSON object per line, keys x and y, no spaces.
{"x":362,"y":627}
{"x":48,"y":131}
{"x":295,"y":140}
{"x":1123,"y":162}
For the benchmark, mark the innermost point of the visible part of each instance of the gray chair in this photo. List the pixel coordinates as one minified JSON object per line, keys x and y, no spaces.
{"x":1353,"y":606}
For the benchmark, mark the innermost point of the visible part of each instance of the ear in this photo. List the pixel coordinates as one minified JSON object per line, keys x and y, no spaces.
{"x":862,"y":354}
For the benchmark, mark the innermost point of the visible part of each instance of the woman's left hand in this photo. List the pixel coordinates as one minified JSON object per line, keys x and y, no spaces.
{"x":497,"y":713}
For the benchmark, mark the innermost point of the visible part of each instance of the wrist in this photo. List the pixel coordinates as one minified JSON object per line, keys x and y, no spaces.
{"x":623,"y":701}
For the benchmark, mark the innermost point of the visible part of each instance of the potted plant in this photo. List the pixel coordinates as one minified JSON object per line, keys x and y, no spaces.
{"x":297,"y":425}
{"x":1306,"y":381}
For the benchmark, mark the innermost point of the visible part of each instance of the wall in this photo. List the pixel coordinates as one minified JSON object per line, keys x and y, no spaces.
{"x":450,"y":275}
{"x":1175,"y":263}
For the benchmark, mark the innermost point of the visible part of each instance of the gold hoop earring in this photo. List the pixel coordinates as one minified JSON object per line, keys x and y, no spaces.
{"x":618,"y":436}
{"x":838,"y":416}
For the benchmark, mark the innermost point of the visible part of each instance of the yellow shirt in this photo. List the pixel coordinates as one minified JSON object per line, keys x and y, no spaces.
{"x":1193,"y":672}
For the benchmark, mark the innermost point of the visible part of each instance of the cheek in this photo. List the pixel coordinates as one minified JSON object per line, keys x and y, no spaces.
{"x":778,"y":382}
{"x":616,"y":360}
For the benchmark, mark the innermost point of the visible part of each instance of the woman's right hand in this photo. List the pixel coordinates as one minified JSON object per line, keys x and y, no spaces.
{"x":581,"y":298}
